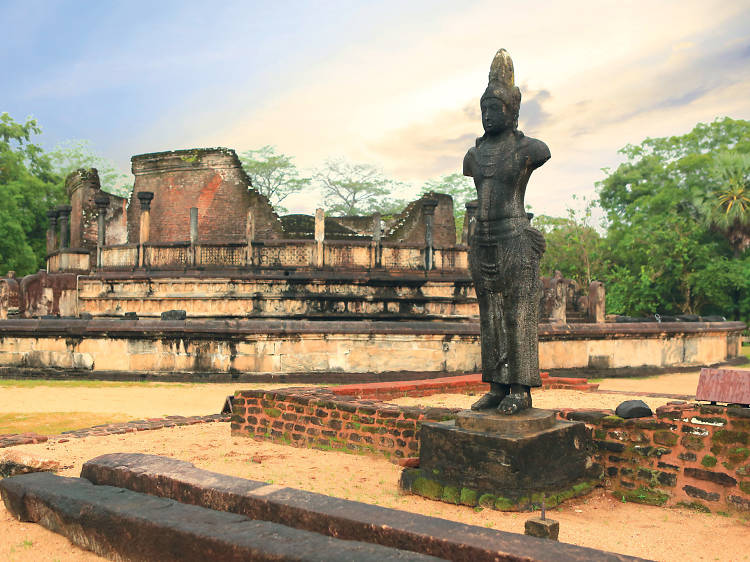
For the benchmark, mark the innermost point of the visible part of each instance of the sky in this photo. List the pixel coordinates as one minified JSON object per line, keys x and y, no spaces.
{"x":390,"y":83}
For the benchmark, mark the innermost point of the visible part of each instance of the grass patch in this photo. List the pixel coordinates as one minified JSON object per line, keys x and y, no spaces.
{"x":90,"y":383}
{"x":52,"y":423}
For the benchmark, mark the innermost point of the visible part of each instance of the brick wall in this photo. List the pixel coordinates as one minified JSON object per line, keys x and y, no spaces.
{"x":688,"y":455}
{"x":691,"y":455}
{"x":211,"y":180}
{"x":316,"y":418}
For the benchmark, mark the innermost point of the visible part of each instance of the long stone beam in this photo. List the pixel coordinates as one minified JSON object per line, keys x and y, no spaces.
{"x":125,"y":525}
{"x":327,"y":515}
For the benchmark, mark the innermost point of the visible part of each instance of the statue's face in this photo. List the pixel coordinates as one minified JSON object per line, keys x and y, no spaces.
{"x":496,"y":116}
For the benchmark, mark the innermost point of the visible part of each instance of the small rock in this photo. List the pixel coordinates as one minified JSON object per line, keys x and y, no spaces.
{"x":633,"y":409}
{"x":542,"y":528}
{"x":173,"y":315}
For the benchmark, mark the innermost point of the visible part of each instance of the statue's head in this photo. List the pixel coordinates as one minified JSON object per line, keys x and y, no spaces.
{"x":501,"y":100}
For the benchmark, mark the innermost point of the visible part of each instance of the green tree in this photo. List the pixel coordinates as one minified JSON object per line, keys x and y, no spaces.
{"x":28,"y":188}
{"x":74,"y":154}
{"x":574,"y":246}
{"x":273,"y":175}
{"x":458,"y":186}
{"x":727,"y":208}
{"x":356,"y":189}
{"x":665,"y":243}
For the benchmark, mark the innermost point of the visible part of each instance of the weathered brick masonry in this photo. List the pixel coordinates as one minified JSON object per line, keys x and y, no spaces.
{"x":690,"y":455}
{"x":316,"y":418}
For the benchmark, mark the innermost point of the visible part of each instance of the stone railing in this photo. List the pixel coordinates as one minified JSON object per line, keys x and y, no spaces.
{"x":69,"y":260}
{"x":123,"y":256}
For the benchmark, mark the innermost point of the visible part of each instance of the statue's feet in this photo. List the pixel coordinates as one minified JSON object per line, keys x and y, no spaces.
{"x":514,"y":402}
{"x":488,"y":401}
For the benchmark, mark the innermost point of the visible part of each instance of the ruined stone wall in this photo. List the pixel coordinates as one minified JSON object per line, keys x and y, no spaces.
{"x":408,"y":227}
{"x":316,"y":418}
{"x":82,"y":186}
{"x":211,"y":180}
{"x":690,"y":455}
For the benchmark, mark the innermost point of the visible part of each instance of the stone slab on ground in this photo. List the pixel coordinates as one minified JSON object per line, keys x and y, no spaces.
{"x":13,"y":462}
{"x":324,"y":514}
{"x":125,"y":525}
{"x":731,"y":386}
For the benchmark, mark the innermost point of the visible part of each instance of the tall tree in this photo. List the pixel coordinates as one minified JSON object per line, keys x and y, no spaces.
{"x":74,"y":154}
{"x":574,"y":246}
{"x":727,"y":208}
{"x":661,"y":204}
{"x":273,"y":175}
{"x":356,"y":189}
{"x":28,"y":188}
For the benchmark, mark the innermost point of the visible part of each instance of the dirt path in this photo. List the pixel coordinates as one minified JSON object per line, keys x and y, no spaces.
{"x":596,"y":521}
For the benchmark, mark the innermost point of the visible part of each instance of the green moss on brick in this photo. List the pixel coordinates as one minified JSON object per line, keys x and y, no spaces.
{"x":272,"y":412}
{"x":695,"y":506}
{"x":745,"y":486}
{"x":665,"y":437}
{"x":708,"y":461}
{"x":600,"y":434}
{"x":451,"y":495}
{"x":738,"y":454}
{"x":612,"y":421}
{"x":643,"y":495}
{"x":468,"y":497}
{"x":728,"y":437}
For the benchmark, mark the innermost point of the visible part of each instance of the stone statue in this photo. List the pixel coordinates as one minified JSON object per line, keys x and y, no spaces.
{"x":504,"y":249}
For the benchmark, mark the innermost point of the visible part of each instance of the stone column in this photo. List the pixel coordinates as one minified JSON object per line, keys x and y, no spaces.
{"x":63,"y":214}
{"x":320,"y":234}
{"x":597,"y":301}
{"x":250,"y":237}
{"x":193,"y":234}
{"x":428,"y":210}
{"x":377,"y":230}
{"x":469,"y":219}
{"x":52,"y":231}
{"x":102,"y":202}
{"x":144,"y":197}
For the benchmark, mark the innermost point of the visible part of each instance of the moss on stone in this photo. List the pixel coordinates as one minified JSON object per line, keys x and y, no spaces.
{"x":665,"y":437}
{"x":451,"y":495}
{"x":745,"y":486}
{"x":643,"y":495}
{"x":612,"y":421}
{"x":468,"y":497}
{"x":427,"y":488}
{"x":728,"y":437}
{"x":487,"y":500}
{"x":738,"y":454}
{"x":708,"y":461}
{"x":694,"y":506}
{"x":581,"y":488}
{"x":272,"y":412}
{"x":504,"y":504}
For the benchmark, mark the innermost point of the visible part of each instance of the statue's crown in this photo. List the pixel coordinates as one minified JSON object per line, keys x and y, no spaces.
{"x":502,"y":82}
{"x":501,"y":69}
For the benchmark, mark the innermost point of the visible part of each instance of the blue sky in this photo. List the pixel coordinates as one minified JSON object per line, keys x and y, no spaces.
{"x":395,"y":84}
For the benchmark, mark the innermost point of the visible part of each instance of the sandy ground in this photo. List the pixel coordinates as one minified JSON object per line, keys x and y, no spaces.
{"x":596,"y":521}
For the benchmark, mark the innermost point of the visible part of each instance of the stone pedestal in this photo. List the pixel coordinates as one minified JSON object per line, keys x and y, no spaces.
{"x":506,"y":462}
